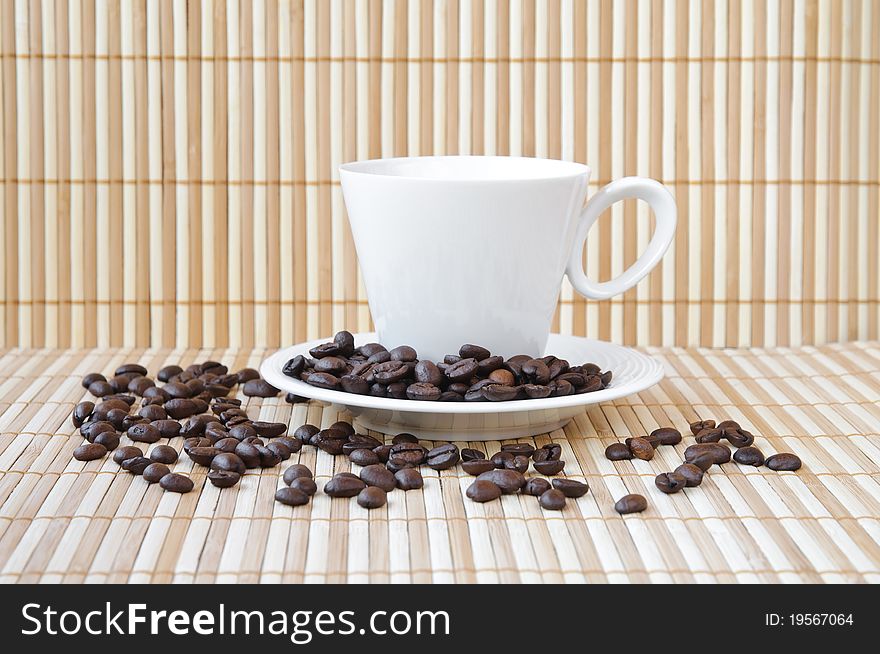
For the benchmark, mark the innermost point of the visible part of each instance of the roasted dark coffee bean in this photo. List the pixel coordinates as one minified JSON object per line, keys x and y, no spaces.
{"x":560,"y":388}
{"x":519,"y":462}
{"x":294,"y":367}
{"x":708,"y":435}
{"x":749,"y":456}
{"x":536,"y":371}
{"x":225,"y":461}
{"x":739,"y":437}
{"x":372,"y":497}
{"x":670,"y":482}
{"x":324,"y":350}
{"x":719,"y":453}
{"x":226,"y":444}
{"x":127,"y":452}
{"x":269,"y":458}
{"x":136,"y":465}
{"x":129,"y":368}
{"x":700,"y":425}
{"x":167,"y":428}
{"x":305,"y":485}
{"x":179,"y":408}
{"x":166,"y":373}
{"x":269,"y":429}
{"x":409,"y":479}
{"x":404,"y":438}
{"x":477,"y":467}
{"x":344,"y":340}
{"x":558,"y":368}
{"x":204,"y":455}
{"x":223,"y":478}
{"x":296,"y":471}
{"x":552,"y":500}
{"x":370,"y":349}
{"x":163,"y":454}
{"x":333,"y":365}
{"x":177,"y":390}
{"x":154,"y":472}
{"x":140,"y":384}
{"x":443,"y":457}
{"x":783,"y":462}
{"x":728,"y":424}
{"x":109,"y":439}
{"x":500,"y":392}
{"x":526,"y":449}
{"x":364,"y":457}
{"x":89,"y":452}
{"x":116,"y":417}
{"x":242,"y":431}
{"x":536,"y":486}
{"x":81,"y":412}
{"x":91,"y":429}
{"x":483,"y":490}
{"x":120,"y":383}
{"x":154,"y":392}
{"x":536,"y":391}
{"x":692,"y":474}
{"x":398,"y":390}
{"x":101,"y":388}
{"x":553,"y":452}
{"x":500,"y":459}
{"x":502,"y":376}
{"x":403,"y":353}
{"x":259,"y":388}
{"x":509,"y":481}
{"x":549,"y":468}
{"x":378,"y":475}
{"x":424,"y":392}
{"x":330,"y":441}
{"x":411,"y":453}
{"x":194,"y":442}
{"x":571,"y":487}
{"x":461,"y":371}
{"x":667,"y":436}
{"x":304,"y":433}
{"x":342,"y":485}
{"x":470,"y":454}
{"x":428,"y":373}
{"x":176,"y":483}
{"x":641,"y":448}
{"x":153,"y":412}
{"x":247,"y":374}
{"x":632,"y":503}
{"x":91,"y":378}
{"x":703,"y":461}
{"x":249,"y":454}
{"x":144,"y":432}
{"x":487,"y":366}
{"x":354,"y":384}
{"x":618,"y":452}
{"x":279,"y":449}
{"x":389,"y":372}
{"x":360,"y":442}
{"x":469,"y":351}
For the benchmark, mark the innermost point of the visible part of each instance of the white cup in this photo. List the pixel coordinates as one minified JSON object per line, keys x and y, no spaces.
{"x":469,"y":249}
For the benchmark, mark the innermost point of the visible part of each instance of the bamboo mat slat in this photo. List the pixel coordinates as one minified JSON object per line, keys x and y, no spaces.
{"x":63,"y":521}
{"x":168,"y":170}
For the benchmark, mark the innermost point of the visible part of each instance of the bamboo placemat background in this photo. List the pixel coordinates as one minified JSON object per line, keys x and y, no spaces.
{"x":197,"y":142}
{"x":67,"y":521}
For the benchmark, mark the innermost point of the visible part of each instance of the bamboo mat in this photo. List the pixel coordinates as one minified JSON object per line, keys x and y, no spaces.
{"x":63,"y":521}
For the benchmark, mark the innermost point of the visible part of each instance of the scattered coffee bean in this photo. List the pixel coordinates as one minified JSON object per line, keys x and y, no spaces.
{"x":291,"y":496}
{"x":306,"y":485}
{"x":247,"y":374}
{"x":728,"y":424}
{"x":378,"y":475}
{"x":519,"y":463}
{"x":632,"y":503}
{"x":136,"y":465}
{"x":783,"y":462}
{"x":483,"y":490}
{"x":749,"y":456}
{"x":231,"y":462}
{"x":553,"y":499}
{"x":618,"y":452}
{"x":700,"y":425}
{"x":549,"y":452}
{"x":519,"y":448}
{"x":108,"y":439}
{"x":640,"y":448}
{"x":719,"y":453}
{"x":296,"y":471}
{"x":342,"y":485}
{"x":409,"y":479}
{"x":364,"y":457}
{"x":279,"y":449}
{"x":739,"y":437}
{"x":444,"y":457}
{"x":477,"y":467}
{"x":667,"y":436}
{"x":89,"y":452}
{"x":259,"y":388}
{"x":713,"y":435}
{"x":144,"y":432}
{"x":571,"y":488}
{"x":670,"y":482}
{"x":693,"y":475}
{"x":154,"y":472}
{"x":269,"y":429}
{"x":91,"y":378}
{"x":81,"y":413}
{"x":223,"y":478}
{"x":549,"y":468}
{"x":127,"y":452}
{"x":536,"y":486}
{"x":509,"y":481}
{"x":372,"y":497}
{"x":469,"y":454}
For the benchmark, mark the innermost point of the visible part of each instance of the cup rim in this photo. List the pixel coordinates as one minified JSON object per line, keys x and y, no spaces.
{"x":369,"y":167}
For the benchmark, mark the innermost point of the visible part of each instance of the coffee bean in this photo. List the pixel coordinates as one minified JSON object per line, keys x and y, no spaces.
{"x":203,"y":455}
{"x":641,"y":448}
{"x":509,"y":481}
{"x":667,"y":436}
{"x":81,"y":413}
{"x":153,"y":412}
{"x":293,"y":445}
{"x":354,"y":384}
{"x":709,"y":435}
{"x":332,"y":365}
{"x":292,"y":398}
{"x":403,"y":353}
{"x":618,"y":452}
{"x":552,"y":500}
{"x":136,"y":465}
{"x":89,"y":452}
{"x":549,"y":452}
{"x":536,"y":391}
{"x":632,"y":503}
{"x":91,"y":429}
{"x":305,"y":433}
{"x":719,"y":453}
{"x":519,"y":463}
{"x":291,"y":496}
{"x":536,"y":486}
{"x":179,"y":408}
{"x":167,"y":428}
{"x":461,"y":371}
{"x":693,"y":475}
{"x":408,"y":479}
{"x":526,"y":449}
{"x":407,"y":453}
{"x":502,"y":376}
{"x":783,"y":462}
{"x":279,"y":450}
{"x":223,"y":478}
{"x":378,"y":475}
{"x":156,"y":393}
{"x":549,"y":468}
{"x":259,"y":388}
{"x":487,"y":366}
{"x":404,"y":438}
{"x":500,"y":459}
{"x":166,"y":373}
{"x":91,"y":378}
{"x":127,"y":452}
{"x":469,"y":454}
{"x":364,"y":457}
{"x":749,"y":456}
{"x":389,"y":372}
{"x":108,"y":439}
{"x":483,"y":490}
{"x":247,"y":374}
{"x":739,"y":437}
{"x":499,"y":392}
{"x":296,"y":471}
{"x":330,"y":440}
{"x":728,"y":424}
{"x":427,"y":372}
{"x":443,"y":457}
{"x":144,"y":432}
{"x":477,"y":467}
{"x":571,"y":488}
{"x":536,"y":371}
{"x":342,"y":485}
{"x":703,"y":461}
{"x":242,"y":431}
{"x":305,"y":485}
{"x":249,"y":454}
{"x":176,"y":483}
{"x":670,"y":482}
{"x":469,"y":351}
{"x":424,"y":392}
{"x":140,"y":384}
{"x":163,"y":454}
{"x":230,"y":462}
{"x":269,"y":429}
{"x":700,"y":425}
{"x":372,"y":497}
{"x":154,"y":472}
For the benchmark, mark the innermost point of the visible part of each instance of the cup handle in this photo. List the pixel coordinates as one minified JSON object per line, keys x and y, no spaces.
{"x":662,"y":204}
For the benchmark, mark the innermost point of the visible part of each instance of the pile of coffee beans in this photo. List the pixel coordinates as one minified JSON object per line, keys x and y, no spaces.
{"x":699,"y":457}
{"x":472,"y":375}
{"x":191,"y":402}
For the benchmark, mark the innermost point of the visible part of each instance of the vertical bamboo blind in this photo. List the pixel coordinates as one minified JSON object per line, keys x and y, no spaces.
{"x":169,"y":167}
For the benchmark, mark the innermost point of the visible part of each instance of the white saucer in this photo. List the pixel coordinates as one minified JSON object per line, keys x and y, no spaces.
{"x":478,"y":421}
